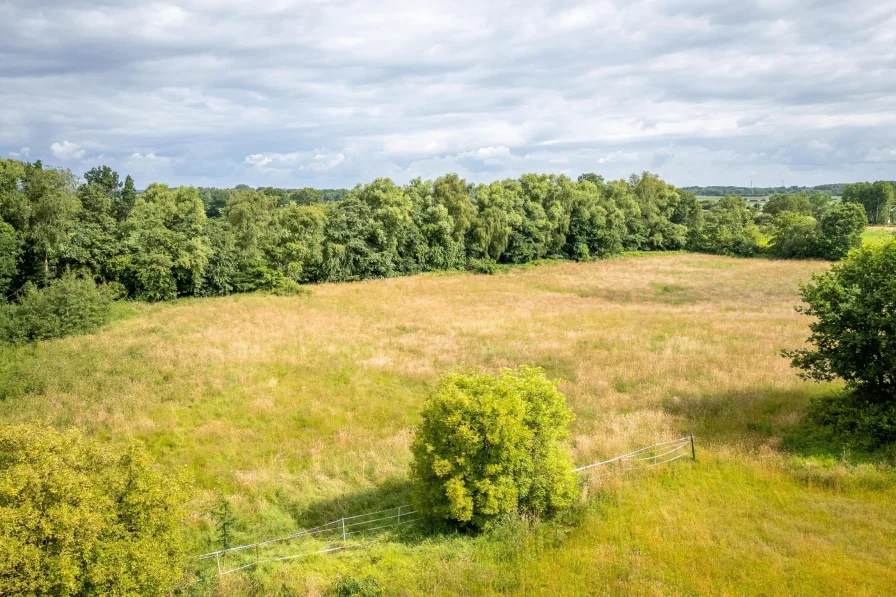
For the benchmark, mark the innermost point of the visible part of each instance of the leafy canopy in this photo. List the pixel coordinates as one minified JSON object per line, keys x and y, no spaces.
{"x":78,"y":519}
{"x":490,"y":445}
{"x":854,"y":332}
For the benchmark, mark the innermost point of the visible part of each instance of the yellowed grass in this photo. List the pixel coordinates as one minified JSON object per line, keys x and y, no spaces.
{"x":283,"y":403}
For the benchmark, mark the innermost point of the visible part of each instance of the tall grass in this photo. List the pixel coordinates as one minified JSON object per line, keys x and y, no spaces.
{"x":300,"y":409}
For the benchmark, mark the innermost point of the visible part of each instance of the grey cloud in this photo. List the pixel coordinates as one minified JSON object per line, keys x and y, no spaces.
{"x":707,"y":92}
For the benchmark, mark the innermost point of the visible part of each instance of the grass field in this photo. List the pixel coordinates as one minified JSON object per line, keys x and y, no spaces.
{"x":878,"y":234}
{"x":300,"y":410}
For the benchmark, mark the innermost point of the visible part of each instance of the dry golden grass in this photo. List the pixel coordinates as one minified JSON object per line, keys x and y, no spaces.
{"x":287,"y":403}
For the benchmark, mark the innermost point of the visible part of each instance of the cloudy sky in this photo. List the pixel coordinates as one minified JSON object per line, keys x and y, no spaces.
{"x":328,"y":93}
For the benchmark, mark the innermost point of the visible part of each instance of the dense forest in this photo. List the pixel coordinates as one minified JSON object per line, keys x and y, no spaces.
{"x":163,"y":243}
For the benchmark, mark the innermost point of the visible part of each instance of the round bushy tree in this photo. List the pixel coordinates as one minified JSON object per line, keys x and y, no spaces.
{"x":493,"y":445}
{"x":78,"y":519}
{"x":854,"y":332}
{"x":840,"y":230}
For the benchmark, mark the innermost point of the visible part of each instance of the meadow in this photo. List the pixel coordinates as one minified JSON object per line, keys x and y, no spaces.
{"x":878,"y":234}
{"x":300,"y":410}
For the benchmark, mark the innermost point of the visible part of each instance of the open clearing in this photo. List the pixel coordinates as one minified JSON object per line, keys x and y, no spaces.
{"x":300,"y":409}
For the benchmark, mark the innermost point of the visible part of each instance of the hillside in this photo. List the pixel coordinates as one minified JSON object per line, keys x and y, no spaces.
{"x":299,"y":410}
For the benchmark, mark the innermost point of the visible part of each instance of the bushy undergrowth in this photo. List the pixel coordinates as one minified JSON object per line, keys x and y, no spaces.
{"x":357,"y":587}
{"x":490,"y":445}
{"x":863,"y":423}
{"x":68,"y":306}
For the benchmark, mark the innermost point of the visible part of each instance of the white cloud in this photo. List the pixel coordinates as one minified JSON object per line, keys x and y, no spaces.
{"x":316,"y":161}
{"x":22,"y":153}
{"x":149,"y":157}
{"x":488,"y":153}
{"x":881,"y":155}
{"x":67,"y":151}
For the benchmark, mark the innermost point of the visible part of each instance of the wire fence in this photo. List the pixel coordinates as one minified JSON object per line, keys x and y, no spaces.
{"x":648,"y":457}
{"x":344,"y":533}
{"x":335,"y":535}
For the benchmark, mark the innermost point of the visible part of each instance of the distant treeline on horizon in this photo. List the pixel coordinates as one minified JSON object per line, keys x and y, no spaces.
{"x":835,"y":189}
{"x":218,"y":195}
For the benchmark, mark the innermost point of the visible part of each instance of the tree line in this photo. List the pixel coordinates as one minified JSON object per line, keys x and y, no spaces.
{"x":835,"y":189}
{"x":164,"y":242}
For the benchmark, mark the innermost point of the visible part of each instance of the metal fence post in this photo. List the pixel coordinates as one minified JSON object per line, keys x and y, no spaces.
{"x":218,"y":560}
{"x":693,"y":451}
{"x":343,"y":530}
{"x":399,"y":515}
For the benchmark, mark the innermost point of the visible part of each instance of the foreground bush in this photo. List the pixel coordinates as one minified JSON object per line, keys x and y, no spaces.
{"x":854,"y":307}
{"x":493,"y":445}
{"x":77,"y":519}
{"x":68,"y":306}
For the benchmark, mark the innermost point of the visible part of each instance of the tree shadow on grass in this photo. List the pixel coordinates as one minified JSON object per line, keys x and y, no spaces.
{"x":767,"y":417}
{"x":390,"y":493}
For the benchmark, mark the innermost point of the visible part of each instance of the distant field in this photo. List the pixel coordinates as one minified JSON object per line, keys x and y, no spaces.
{"x":300,"y":410}
{"x":878,"y":234}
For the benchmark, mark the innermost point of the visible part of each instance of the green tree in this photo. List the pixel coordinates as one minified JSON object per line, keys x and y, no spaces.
{"x":840,"y":230}
{"x":79,"y":520}
{"x":167,"y":249}
{"x":853,"y":306}
{"x":666,"y":212}
{"x":306,"y":196}
{"x":10,"y":249}
{"x":126,"y":199}
{"x":596,"y":225}
{"x":819,"y":203}
{"x":877,"y":199}
{"x":493,"y":445}
{"x":726,"y":229}
{"x":94,"y":241}
{"x":53,"y":204}
{"x":365,"y":231}
{"x":794,"y":236}
{"x":779,"y":203}
{"x":495,"y":219}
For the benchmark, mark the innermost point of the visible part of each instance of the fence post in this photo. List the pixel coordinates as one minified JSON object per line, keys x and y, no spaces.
{"x":343,"y":530}
{"x":218,"y":560}
{"x":693,"y":451}
{"x":256,"y":553}
{"x":399,"y":515}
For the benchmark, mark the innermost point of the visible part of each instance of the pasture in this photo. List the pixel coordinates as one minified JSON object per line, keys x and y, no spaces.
{"x":300,"y":410}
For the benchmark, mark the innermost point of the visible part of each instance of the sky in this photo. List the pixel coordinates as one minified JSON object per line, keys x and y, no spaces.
{"x":329,"y":93}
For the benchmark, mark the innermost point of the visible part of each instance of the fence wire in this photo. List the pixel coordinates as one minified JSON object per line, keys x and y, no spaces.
{"x":649,"y":456}
{"x":334,"y":535}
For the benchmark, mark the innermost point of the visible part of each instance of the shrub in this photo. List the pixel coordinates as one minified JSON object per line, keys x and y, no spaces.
{"x":493,"y":445}
{"x":357,"y":587}
{"x":794,"y":236}
{"x":77,"y":519}
{"x":484,"y":266}
{"x":852,"y":416}
{"x":69,"y":305}
{"x":840,"y":230}
{"x":727,"y":229}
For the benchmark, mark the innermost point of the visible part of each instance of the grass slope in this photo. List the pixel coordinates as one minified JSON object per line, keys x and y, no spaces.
{"x":300,"y":409}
